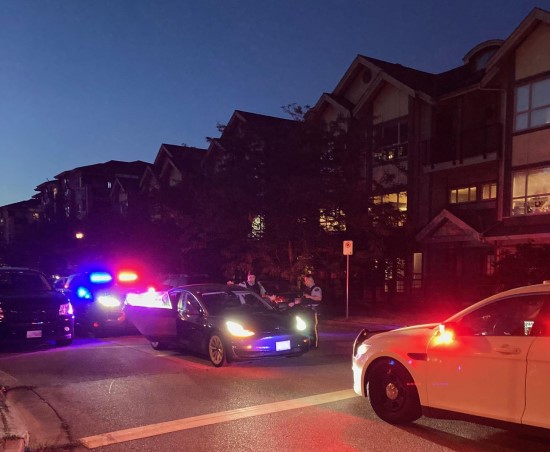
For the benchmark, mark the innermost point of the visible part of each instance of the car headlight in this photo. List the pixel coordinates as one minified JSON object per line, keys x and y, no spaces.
{"x":236,"y":329}
{"x":361,"y":350}
{"x":108,"y":301}
{"x":300,"y":324}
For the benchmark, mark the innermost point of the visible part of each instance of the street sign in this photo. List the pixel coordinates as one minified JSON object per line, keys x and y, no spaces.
{"x":348,"y":247}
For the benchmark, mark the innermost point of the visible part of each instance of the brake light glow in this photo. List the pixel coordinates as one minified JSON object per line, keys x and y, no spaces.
{"x":127,"y":276}
{"x":66,"y":309}
{"x":100,"y":277}
{"x":444,"y":336}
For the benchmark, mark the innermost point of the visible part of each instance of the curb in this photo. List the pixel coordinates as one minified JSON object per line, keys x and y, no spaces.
{"x":13,"y":445}
{"x":15,"y":433}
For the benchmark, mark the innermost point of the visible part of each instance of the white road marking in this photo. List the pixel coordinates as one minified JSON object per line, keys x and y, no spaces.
{"x":146,"y":431}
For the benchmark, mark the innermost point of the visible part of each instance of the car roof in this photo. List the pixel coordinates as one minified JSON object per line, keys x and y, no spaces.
{"x":19,"y":269}
{"x":209,"y":287}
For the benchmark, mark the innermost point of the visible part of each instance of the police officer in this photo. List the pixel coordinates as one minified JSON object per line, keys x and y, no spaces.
{"x":252,"y":284}
{"x":313,"y":294}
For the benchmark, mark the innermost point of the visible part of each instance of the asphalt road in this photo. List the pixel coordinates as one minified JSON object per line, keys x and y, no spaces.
{"x":118,"y":394}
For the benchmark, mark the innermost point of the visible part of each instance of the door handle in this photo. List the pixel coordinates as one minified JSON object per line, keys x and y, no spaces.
{"x":507,"y":350}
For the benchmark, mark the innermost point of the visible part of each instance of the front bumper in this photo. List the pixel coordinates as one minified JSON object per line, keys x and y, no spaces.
{"x":269,"y":347}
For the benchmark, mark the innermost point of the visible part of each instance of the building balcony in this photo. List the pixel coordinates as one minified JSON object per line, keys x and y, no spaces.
{"x":469,"y":145}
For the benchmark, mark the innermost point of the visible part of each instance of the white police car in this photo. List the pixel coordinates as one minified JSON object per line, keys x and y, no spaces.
{"x":489,"y":362}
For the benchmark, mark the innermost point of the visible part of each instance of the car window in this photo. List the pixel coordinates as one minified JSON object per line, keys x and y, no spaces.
{"x":512,"y":316}
{"x":253,"y":302}
{"x":217,"y":302}
{"x":175,"y":297}
{"x":188,"y":305}
{"x":12,"y":282}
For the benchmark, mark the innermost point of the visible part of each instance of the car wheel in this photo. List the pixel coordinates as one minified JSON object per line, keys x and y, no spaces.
{"x":392,"y":393}
{"x":158,"y":345}
{"x":217,"y":351}
{"x":63,"y":342}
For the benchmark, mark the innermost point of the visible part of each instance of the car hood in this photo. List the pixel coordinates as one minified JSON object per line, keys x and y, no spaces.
{"x":32,"y":300}
{"x":267,"y":321}
{"x":412,"y":338}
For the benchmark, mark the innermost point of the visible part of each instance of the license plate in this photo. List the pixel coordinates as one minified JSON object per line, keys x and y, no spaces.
{"x":283,"y":345}
{"x":34,"y":333}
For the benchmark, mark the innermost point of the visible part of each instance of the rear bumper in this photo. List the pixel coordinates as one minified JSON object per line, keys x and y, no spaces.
{"x":93,"y":315}
{"x":61,"y":329}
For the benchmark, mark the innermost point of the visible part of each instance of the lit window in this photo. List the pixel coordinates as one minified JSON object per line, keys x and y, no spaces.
{"x":533,"y":105}
{"x":462,"y":195}
{"x":109,"y":184}
{"x":258,"y":227}
{"x":397,"y":200}
{"x":332,"y":220}
{"x":531,"y":191}
{"x":489,"y":191}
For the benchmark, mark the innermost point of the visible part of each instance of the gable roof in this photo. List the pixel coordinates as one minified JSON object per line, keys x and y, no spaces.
{"x":182,"y":158}
{"x":447,"y":227}
{"x":527,"y":25}
{"x":112,"y":167}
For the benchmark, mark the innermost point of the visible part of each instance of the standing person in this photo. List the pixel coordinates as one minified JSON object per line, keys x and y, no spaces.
{"x":312,"y":297}
{"x":313,"y":294}
{"x":253,"y":285}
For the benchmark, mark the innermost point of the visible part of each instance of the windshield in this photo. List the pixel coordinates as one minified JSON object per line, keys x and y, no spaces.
{"x":218,"y":302}
{"x":16,"y":282}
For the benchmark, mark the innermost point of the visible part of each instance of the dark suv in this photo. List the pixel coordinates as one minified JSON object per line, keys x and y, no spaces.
{"x":32,"y":310}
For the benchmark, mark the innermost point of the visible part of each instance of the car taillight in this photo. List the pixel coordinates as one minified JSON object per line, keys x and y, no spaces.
{"x":66,"y":309}
{"x":444,"y":335}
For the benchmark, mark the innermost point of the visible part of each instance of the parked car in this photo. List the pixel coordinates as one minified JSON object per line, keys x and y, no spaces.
{"x":98,"y":298}
{"x":489,"y":363}
{"x":225,"y":323}
{"x":32,"y":310}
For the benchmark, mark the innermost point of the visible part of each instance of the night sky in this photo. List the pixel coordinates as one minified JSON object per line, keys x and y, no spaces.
{"x":84,"y":82}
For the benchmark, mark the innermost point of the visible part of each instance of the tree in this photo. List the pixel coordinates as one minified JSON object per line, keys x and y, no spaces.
{"x":527,"y":265}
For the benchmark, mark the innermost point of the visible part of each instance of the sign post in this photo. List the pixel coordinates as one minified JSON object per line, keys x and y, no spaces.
{"x":348,"y":251}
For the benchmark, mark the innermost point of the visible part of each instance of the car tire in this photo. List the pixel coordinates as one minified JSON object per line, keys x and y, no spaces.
{"x":217,"y":352}
{"x":392,"y":392}
{"x":156,"y":345}
{"x":63,"y":342}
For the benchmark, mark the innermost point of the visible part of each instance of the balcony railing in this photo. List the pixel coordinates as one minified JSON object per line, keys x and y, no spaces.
{"x":455,"y":148}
